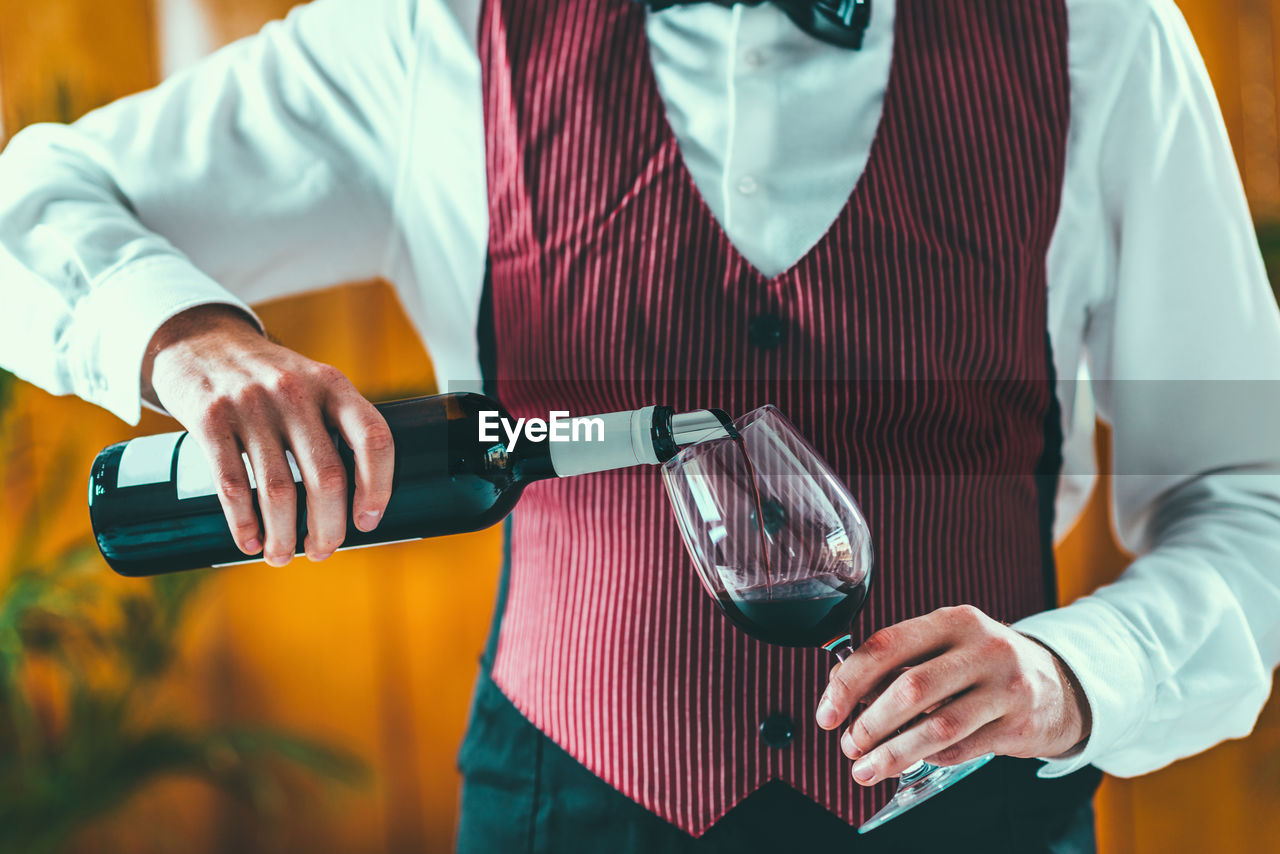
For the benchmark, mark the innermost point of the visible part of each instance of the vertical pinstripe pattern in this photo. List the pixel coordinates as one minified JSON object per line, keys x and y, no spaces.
{"x":913,"y":358}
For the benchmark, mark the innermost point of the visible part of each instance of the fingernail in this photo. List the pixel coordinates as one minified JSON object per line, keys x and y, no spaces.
{"x":278,"y":560}
{"x":318,"y":556}
{"x":863,"y":772}
{"x":846,"y":744}
{"x":253,"y":547}
{"x":368,"y":520}
{"x":826,"y":715}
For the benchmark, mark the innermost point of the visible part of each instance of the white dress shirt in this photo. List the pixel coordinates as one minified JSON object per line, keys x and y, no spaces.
{"x":346,"y":142}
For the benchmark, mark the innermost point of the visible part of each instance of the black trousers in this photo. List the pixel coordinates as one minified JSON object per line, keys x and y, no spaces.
{"x":522,"y":793}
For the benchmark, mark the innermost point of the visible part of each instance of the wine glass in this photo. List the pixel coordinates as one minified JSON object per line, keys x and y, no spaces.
{"x":785,"y":552}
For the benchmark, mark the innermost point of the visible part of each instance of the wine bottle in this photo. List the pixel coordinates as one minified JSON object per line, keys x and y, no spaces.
{"x":461,"y":462}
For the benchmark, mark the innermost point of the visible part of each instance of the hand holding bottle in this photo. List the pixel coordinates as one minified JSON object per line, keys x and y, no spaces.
{"x":236,"y":391}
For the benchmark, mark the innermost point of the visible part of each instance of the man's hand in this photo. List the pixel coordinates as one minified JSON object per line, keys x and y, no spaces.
{"x":236,"y":391}
{"x":956,"y":684}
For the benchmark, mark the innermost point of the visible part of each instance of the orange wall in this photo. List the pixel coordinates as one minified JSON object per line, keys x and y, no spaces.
{"x":376,"y":649}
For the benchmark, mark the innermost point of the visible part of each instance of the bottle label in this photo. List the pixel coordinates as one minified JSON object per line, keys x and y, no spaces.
{"x":195,"y":479}
{"x":624,"y":440}
{"x":146,"y":460}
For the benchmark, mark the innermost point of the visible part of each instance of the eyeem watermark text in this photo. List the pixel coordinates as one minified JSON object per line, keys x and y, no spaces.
{"x":558,"y":427}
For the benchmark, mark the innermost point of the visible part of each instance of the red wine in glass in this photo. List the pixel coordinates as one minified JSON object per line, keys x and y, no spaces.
{"x":814,"y":609}
{"x":801,"y":614}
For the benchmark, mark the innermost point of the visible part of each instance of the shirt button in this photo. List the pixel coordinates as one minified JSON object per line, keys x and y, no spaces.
{"x":777,"y":731}
{"x":747,"y":185}
{"x":765,"y":331}
{"x":756,"y":58}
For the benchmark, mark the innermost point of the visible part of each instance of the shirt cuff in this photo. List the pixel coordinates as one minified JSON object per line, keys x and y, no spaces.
{"x":116,"y":322}
{"x":1092,"y":639}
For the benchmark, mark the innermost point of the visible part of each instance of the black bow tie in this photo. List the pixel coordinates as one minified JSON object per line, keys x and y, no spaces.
{"x":839,"y":22}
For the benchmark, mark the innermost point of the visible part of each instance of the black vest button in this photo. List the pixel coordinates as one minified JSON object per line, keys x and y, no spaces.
{"x":765,"y":331}
{"x":777,"y":731}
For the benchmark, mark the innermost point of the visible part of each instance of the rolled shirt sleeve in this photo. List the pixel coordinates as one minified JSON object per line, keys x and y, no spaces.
{"x":269,"y":168}
{"x":1183,"y":346}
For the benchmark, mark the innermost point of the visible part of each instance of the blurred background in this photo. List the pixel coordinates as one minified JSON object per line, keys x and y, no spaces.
{"x":319,"y":707}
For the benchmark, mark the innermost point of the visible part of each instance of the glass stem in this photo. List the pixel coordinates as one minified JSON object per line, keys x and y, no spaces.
{"x":842,"y":647}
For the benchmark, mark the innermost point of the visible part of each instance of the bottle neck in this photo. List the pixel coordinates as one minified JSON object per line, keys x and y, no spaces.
{"x":617,"y":440}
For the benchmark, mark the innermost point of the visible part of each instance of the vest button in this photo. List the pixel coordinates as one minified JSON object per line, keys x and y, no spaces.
{"x":765,"y":331}
{"x":777,"y":731}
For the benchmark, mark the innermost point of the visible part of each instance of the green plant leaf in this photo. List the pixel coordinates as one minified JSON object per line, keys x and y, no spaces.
{"x":334,"y":764}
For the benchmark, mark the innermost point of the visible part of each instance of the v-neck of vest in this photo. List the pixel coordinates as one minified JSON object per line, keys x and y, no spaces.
{"x":875,"y":155}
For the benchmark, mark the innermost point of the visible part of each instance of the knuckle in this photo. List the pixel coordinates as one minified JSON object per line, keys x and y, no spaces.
{"x":331,"y":479}
{"x":286,"y":385}
{"x":943,"y":727}
{"x":232,"y":400}
{"x":327,"y":374}
{"x":278,"y":488}
{"x":217,"y":412}
{"x":965,"y":615}
{"x":913,"y":688}
{"x":376,"y":435}
{"x":248,"y":395}
{"x":998,"y":646}
{"x":233,"y":487}
{"x":880,"y":644}
{"x":863,"y":737}
{"x":838,"y":688}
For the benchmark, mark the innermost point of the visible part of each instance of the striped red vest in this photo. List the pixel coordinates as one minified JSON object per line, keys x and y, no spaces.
{"x":909,"y":345}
